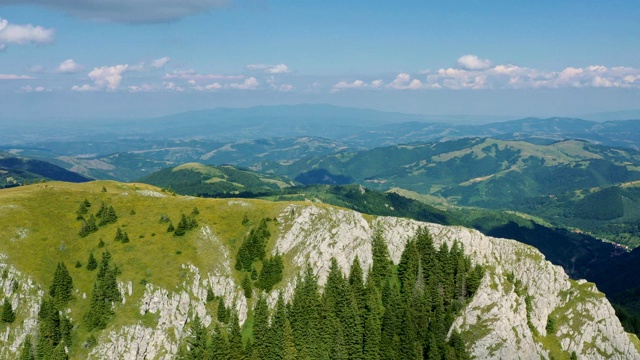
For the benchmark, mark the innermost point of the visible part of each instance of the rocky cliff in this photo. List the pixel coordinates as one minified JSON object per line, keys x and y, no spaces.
{"x":525,"y":306}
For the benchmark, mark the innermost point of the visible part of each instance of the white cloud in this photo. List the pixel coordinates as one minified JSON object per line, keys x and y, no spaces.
{"x":161,"y":62}
{"x":191,"y":74}
{"x":142,"y":88}
{"x":69,"y":67}
{"x":14,"y":77}
{"x":403,"y":81}
{"x":356,"y":84}
{"x":286,"y":87}
{"x":270,"y":69}
{"x":472,"y":62}
{"x":248,"y":84}
{"x":172,"y":86}
{"x":108,"y":77}
{"x":23,"y":34}
{"x":209,"y":87}
{"x":30,"y":88}
{"x":377,"y":84}
{"x":128,"y":11}
{"x":83,"y":88}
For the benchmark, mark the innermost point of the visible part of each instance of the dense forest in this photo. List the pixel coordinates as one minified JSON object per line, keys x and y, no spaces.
{"x":397,"y":312}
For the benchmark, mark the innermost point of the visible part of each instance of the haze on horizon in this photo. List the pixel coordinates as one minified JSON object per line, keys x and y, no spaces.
{"x":122,"y":59}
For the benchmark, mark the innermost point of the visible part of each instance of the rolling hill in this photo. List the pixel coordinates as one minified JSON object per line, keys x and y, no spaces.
{"x":215,"y":181}
{"x":15,"y":171}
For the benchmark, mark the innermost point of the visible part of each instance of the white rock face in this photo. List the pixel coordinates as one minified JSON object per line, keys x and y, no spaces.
{"x":505,"y":319}
{"x":25,"y":301}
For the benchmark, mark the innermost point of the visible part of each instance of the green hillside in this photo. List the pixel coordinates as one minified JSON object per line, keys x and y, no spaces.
{"x":16,"y":170}
{"x":478,"y":171}
{"x":214,"y":181}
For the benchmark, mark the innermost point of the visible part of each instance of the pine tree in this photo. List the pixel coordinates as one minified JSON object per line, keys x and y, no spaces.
{"x":357,"y":284}
{"x":222,"y":312}
{"x":260,"y":329}
{"x":290,"y":351}
{"x":62,"y":287}
{"x":92,"y":263}
{"x":219,"y":347}
{"x":49,"y":334}
{"x":275,"y":335}
{"x":198,"y":341}
{"x":27,"y":349}
{"x":59,"y":352}
{"x":246,"y":286}
{"x":8,"y":315}
{"x":381,"y":263}
{"x":236,"y":350}
{"x":105,"y":291}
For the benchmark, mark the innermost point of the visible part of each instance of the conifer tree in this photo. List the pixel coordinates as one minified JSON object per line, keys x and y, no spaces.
{"x":27,"y":349}
{"x":219,"y":348}
{"x":222,"y":312}
{"x":275,"y":336}
{"x":357,"y":284}
{"x":105,"y":291}
{"x":92,"y":263}
{"x":59,"y":352}
{"x":198,"y":341}
{"x":381,"y":262}
{"x":260,"y":328}
{"x":8,"y":315}
{"x":290,"y":351}
{"x":62,"y":287}
{"x":246,"y":286}
{"x":49,"y":334}
{"x":236,"y":350}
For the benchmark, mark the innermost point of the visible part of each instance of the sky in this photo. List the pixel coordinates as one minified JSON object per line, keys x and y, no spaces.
{"x":102,"y":59}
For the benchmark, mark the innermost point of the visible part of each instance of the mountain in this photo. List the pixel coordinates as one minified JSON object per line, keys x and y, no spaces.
{"x":15,"y":171}
{"x":522,"y":305}
{"x":477,"y":171}
{"x":215,"y":181}
{"x":132,"y":158}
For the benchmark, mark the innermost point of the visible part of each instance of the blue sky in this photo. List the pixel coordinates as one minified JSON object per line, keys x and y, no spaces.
{"x":122,"y":58}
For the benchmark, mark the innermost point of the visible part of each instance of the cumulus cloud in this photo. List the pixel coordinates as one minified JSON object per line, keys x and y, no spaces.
{"x":127,"y":11}
{"x":23,"y":34}
{"x":286,"y":87}
{"x":475,"y":74}
{"x":403,"y":81}
{"x":356,"y":84}
{"x":69,"y":67}
{"x":30,"y":88}
{"x":14,"y":77}
{"x":270,"y":69}
{"x":191,"y":74}
{"x":248,"y":84}
{"x":83,"y":88}
{"x":108,"y":77}
{"x":472,"y":62}
{"x":160,"y":63}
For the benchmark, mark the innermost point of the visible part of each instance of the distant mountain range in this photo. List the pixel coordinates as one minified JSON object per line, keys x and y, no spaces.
{"x":16,"y":171}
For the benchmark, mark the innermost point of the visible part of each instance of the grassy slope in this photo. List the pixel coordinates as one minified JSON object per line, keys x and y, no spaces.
{"x":39,"y":228}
